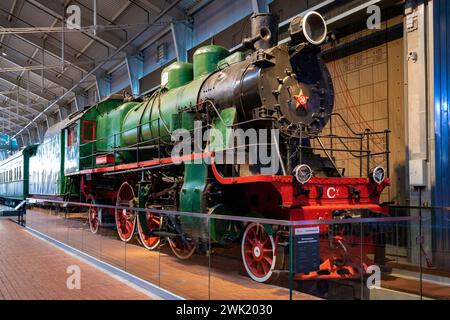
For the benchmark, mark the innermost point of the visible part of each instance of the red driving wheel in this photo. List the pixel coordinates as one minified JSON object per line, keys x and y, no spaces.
{"x":94,"y":218}
{"x":153,"y":222}
{"x":183,"y":249}
{"x":125,"y":218}
{"x":258,"y":252}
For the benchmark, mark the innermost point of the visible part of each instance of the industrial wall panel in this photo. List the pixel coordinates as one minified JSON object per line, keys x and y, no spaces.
{"x":441,"y":219}
{"x":369,"y":95}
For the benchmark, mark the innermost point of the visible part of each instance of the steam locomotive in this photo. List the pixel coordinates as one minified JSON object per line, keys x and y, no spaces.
{"x":122,"y":153}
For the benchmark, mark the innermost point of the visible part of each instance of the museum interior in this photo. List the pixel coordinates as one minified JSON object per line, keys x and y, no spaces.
{"x":224,"y":150}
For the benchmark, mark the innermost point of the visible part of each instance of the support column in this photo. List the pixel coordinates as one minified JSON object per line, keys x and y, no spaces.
{"x":182,"y":35}
{"x":30,"y":139}
{"x":103,"y":82}
{"x":39,"y":134}
{"x":47,"y":122}
{"x":418,"y":119}
{"x":80,"y":102}
{"x":22,"y":140}
{"x":64,"y":113}
{"x":135,"y":68}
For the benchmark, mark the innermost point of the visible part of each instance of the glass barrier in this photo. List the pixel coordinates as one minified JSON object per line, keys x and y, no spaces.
{"x":250,"y":259}
{"x":358,"y":255}
{"x":391,"y":247}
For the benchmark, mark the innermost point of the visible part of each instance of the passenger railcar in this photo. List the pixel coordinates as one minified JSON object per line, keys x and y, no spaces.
{"x":14,"y":173}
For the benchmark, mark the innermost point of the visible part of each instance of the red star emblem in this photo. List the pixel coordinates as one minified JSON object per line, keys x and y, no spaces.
{"x":302,"y":100}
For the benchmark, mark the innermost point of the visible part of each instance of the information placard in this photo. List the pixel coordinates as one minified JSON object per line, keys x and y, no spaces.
{"x":306,"y":248}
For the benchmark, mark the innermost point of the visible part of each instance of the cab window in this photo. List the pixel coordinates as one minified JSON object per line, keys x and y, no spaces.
{"x":88,"y":130}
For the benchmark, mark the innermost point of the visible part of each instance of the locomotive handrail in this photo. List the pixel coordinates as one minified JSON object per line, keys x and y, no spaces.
{"x":155,"y":142}
{"x":337,"y":149}
{"x":360,"y":153}
{"x":209,"y":216}
{"x":148,"y":144}
{"x":329,"y":157}
{"x":345,"y":122}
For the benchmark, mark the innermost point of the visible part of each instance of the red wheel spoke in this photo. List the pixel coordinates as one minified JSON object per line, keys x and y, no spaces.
{"x":269,"y":260}
{"x":265,"y":269}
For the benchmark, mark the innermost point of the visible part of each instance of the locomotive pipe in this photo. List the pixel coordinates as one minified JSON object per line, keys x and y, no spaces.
{"x":309,"y":28}
{"x":264,"y":28}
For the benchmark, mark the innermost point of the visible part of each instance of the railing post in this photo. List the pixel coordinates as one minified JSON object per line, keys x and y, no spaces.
{"x":291,"y":253}
{"x":92,"y":155}
{"x":139,"y":131}
{"x":361,"y":138}
{"x":367,"y":133}
{"x":159,"y":140}
{"x":301,"y":146}
{"x":331,"y":135}
{"x":387,"y":154}
{"x":114,"y":148}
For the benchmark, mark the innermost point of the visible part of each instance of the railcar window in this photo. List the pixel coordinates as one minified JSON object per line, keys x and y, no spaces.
{"x":88,"y":131}
{"x":71,"y":136}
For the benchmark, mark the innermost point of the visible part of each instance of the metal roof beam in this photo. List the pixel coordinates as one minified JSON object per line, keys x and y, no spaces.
{"x":198,"y":6}
{"x":12,"y":114}
{"x":118,"y":13}
{"x":98,"y":67}
{"x":14,"y":7}
{"x":55,"y":9}
{"x":11,"y":124}
{"x":150,"y":5}
{"x":49,"y":74}
{"x":50,"y":47}
{"x":19,"y":84}
{"x":21,"y":105}
{"x":45,"y":94}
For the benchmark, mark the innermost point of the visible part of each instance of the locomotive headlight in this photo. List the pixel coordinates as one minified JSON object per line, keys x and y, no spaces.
{"x":303,"y":173}
{"x":378,"y":175}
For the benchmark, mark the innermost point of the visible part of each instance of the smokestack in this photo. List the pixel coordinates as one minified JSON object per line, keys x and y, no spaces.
{"x":264,"y":27}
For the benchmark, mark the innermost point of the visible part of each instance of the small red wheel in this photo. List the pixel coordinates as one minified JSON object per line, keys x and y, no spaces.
{"x":94,"y":217}
{"x":258,"y":252}
{"x":182,"y":249}
{"x":125,"y":218}
{"x":153,"y":222}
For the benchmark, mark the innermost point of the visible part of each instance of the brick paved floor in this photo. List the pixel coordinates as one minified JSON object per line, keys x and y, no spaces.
{"x":33,"y":269}
{"x":191,"y":279}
